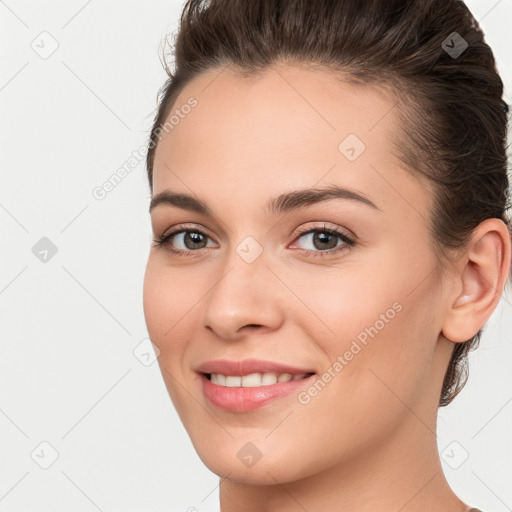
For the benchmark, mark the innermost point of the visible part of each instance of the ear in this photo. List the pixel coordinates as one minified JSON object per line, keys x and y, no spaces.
{"x":481,"y":275}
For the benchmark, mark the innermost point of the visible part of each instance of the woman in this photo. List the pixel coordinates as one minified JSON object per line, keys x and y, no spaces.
{"x":329,"y":196}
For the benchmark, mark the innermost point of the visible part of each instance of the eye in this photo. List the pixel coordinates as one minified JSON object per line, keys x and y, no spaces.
{"x":190,"y":240}
{"x":324,"y":241}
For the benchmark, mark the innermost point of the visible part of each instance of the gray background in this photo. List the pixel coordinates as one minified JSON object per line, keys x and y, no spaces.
{"x":74,"y":369}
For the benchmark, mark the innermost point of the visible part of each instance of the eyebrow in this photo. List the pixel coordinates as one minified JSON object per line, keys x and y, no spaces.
{"x":283,"y":203}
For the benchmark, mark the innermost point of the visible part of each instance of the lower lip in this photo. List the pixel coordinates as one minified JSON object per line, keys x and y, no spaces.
{"x":241,"y":399}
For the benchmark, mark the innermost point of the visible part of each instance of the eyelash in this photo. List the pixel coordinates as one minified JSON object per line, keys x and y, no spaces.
{"x":164,"y":241}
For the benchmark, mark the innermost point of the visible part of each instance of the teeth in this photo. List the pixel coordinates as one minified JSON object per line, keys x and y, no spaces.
{"x":251,"y":381}
{"x":233,"y":382}
{"x":268,"y":379}
{"x":254,"y":379}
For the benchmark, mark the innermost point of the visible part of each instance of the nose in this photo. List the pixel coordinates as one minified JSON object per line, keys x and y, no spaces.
{"x":247,"y":296}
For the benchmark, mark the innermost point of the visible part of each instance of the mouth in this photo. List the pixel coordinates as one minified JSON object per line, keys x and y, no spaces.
{"x":246,"y":393}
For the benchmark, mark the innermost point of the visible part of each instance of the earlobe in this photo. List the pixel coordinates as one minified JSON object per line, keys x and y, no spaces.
{"x":481,"y":276}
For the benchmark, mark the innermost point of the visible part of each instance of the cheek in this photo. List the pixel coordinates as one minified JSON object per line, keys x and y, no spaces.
{"x":376,"y":322}
{"x":167,"y":301}
{"x":169,"y":313}
{"x":378,"y":359}
{"x":347,"y":304}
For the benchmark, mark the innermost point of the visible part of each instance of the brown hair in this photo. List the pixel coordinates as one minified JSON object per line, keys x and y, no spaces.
{"x":428,"y":54}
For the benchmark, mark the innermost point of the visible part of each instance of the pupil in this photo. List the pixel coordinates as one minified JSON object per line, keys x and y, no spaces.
{"x":195,"y":238}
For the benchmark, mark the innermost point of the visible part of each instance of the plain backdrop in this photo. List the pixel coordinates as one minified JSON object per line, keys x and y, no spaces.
{"x":85,"y":420}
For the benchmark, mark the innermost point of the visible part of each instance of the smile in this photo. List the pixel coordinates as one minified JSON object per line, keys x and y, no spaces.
{"x":249,"y":392}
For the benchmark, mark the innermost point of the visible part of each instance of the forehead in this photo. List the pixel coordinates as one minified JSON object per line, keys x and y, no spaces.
{"x":286,"y":128}
{"x":277,"y":108}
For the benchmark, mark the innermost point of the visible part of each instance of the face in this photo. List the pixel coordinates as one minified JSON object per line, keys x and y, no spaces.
{"x":341,"y":284}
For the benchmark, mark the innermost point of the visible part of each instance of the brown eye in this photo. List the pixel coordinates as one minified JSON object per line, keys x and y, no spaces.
{"x":324,"y":240}
{"x":192,"y":239}
{"x":184,"y":242}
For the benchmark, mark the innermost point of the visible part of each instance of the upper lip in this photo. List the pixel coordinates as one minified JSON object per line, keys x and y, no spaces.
{"x":248,"y":366}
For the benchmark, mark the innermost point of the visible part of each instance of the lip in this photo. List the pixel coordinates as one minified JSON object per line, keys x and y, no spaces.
{"x":240,"y":399}
{"x":248,"y":366}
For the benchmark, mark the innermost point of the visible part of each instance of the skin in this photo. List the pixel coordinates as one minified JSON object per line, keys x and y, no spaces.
{"x":367,"y":441}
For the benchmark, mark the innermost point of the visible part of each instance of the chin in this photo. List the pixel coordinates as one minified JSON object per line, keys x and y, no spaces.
{"x":240,"y":462}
